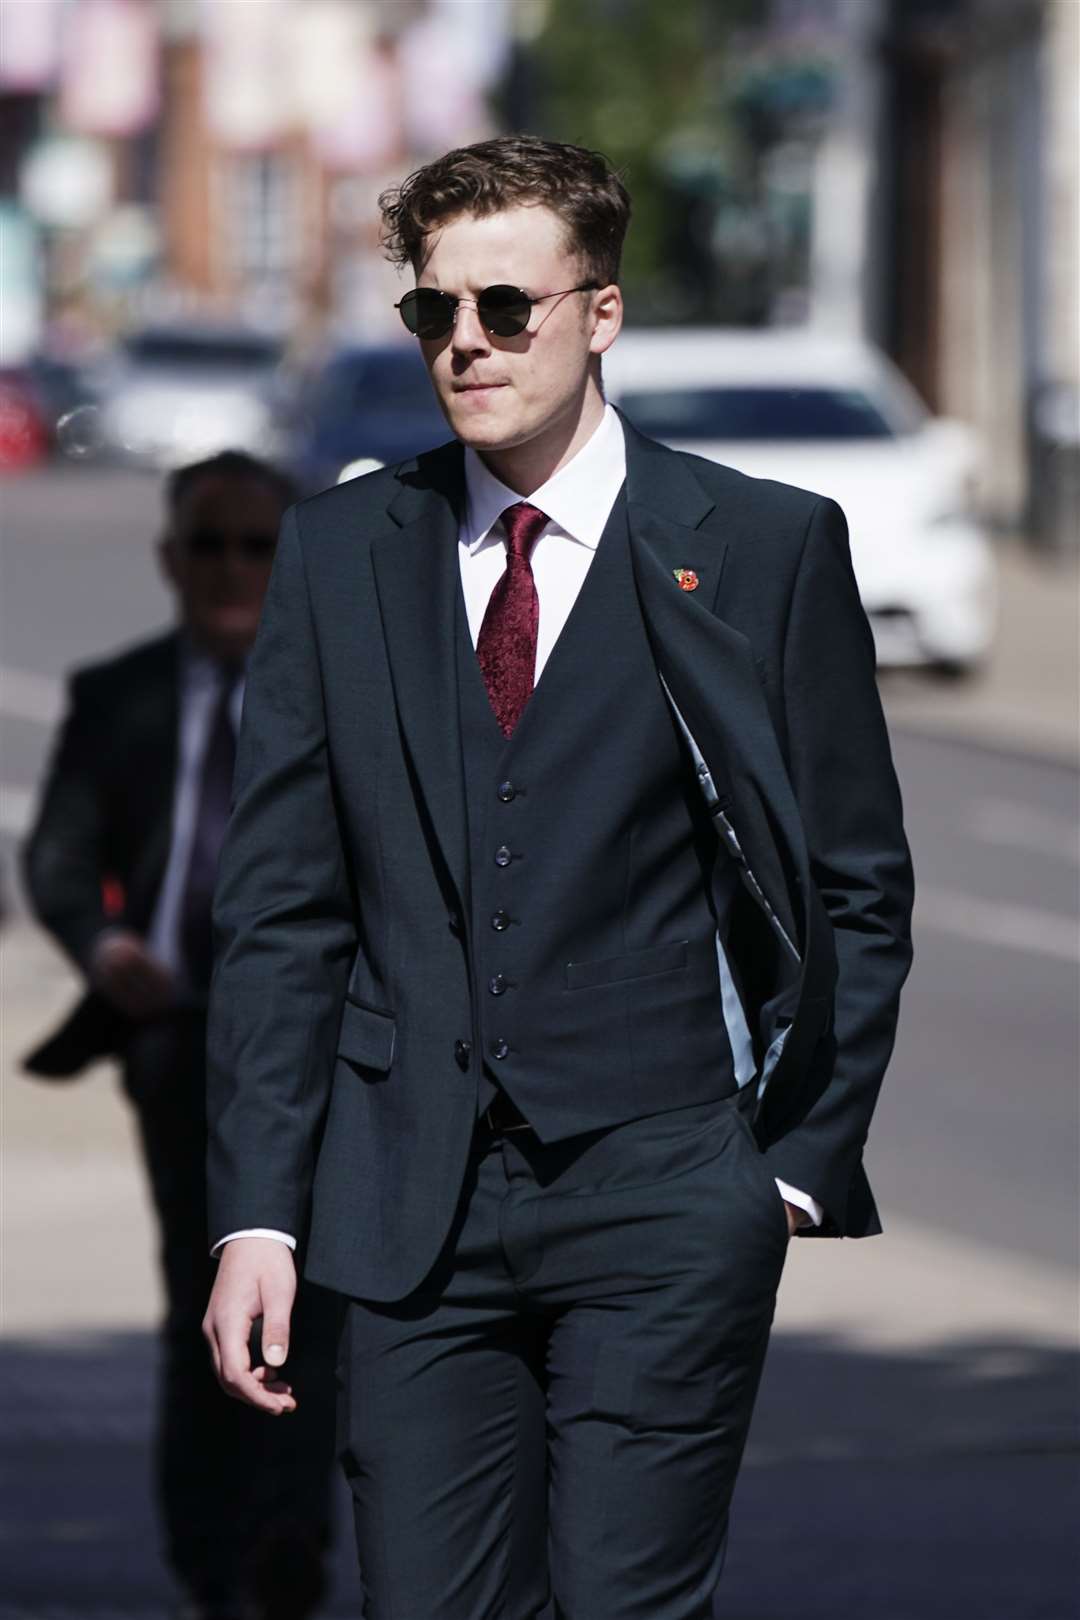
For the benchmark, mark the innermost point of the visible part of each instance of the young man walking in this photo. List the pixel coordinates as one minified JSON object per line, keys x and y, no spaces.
{"x":562,"y":924}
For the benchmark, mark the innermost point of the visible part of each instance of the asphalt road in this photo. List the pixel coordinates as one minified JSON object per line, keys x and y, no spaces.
{"x":977,"y":1126}
{"x":895,"y":1485}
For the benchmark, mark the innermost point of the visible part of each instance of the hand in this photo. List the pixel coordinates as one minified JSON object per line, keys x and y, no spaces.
{"x":795,"y":1217}
{"x":126,"y":973}
{"x":256,"y":1277}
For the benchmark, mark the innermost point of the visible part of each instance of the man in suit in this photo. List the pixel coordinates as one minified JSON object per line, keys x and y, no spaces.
{"x":562,"y":923}
{"x":120,"y":867}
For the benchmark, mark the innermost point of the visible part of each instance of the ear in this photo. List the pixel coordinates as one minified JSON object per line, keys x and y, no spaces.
{"x":607,"y":318}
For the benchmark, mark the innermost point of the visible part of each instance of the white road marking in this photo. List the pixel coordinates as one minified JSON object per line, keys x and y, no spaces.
{"x":1020,"y":826}
{"x":26,"y":696}
{"x":1027,"y":929}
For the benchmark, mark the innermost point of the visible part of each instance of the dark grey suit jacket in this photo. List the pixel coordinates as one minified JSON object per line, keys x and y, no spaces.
{"x":105,"y":822}
{"x":337,"y":1109}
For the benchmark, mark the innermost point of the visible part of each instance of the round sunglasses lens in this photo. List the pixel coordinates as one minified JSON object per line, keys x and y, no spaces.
{"x":427,"y":313}
{"x":504,"y":310}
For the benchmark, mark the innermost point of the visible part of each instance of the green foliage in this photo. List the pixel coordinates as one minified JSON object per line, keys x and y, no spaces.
{"x":639,"y":80}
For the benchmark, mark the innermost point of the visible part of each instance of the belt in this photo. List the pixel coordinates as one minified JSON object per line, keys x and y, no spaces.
{"x":501,"y":1116}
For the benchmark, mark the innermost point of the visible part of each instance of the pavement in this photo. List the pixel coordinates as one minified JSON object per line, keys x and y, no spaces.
{"x":1027,"y":697}
{"x":913,"y":1450}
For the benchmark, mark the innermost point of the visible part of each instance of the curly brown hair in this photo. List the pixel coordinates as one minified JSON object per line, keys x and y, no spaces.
{"x":578,"y":186}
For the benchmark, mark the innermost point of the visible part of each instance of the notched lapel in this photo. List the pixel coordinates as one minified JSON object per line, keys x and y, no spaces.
{"x":708,"y":665}
{"x":417,"y":581}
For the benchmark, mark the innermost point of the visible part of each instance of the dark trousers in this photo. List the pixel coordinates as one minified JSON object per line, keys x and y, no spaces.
{"x":559,"y":1411}
{"x":245,"y":1499}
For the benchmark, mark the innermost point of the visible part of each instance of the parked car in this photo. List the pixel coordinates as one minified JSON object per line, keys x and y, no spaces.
{"x":838,"y":418}
{"x":172,"y":394}
{"x":365,"y":407}
{"x":24,"y":432}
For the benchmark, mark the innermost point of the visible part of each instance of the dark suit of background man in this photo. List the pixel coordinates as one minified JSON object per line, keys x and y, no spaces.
{"x":120,"y":867}
{"x":542,"y":1016}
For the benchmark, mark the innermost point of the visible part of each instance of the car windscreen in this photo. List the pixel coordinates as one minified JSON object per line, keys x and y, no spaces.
{"x":755,"y":413}
{"x":203,"y":354}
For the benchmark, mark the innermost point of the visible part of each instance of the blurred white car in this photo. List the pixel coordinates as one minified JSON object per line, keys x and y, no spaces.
{"x":174,"y":394}
{"x":837,"y":418}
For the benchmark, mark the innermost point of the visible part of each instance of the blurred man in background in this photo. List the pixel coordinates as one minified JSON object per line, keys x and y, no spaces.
{"x":120,"y":868}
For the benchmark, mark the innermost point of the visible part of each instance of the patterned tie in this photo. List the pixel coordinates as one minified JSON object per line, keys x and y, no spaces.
{"x":506,"y":645}
{"x":212,"y":815}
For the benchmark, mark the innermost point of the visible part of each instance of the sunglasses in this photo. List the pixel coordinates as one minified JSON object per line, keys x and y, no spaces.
{"x":502,"y":311}
{"x":208,"y":544}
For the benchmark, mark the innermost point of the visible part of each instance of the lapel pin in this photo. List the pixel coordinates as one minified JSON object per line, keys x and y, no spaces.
{"x":688,"y":580}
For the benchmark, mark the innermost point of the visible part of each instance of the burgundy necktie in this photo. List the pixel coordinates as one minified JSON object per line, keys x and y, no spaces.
{"x":506,"y":645}
{"x":211,"y":817}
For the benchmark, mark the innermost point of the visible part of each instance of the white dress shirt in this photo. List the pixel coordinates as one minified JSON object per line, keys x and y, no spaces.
{"x":578,"y":500}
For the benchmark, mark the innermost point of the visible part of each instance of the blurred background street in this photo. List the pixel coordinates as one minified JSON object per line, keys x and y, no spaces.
{"x":854,"y":266}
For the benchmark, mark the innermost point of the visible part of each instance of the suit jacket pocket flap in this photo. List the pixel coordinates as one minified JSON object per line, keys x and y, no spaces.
{"x":367,"y":1036}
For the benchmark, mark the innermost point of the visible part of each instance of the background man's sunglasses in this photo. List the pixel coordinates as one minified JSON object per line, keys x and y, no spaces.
{"x":207,"y":544}
{"x":503,"y":311}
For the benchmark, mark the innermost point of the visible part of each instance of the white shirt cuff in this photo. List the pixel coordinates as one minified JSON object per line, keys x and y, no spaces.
{"x":253,"y":1231}
{"x":803,"y":1200}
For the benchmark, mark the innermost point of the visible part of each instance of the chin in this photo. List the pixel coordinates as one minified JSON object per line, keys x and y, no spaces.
{"x":234,"y":639}
{"x":487,"y":435}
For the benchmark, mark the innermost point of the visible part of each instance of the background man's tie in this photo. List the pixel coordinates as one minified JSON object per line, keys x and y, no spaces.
{"x":212,"y":815}
{"x":506,"y":645}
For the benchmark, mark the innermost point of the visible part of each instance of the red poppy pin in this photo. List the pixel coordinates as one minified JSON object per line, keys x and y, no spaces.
{"x":688,"y":580}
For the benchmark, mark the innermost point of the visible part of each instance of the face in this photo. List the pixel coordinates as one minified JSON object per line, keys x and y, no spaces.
{"x":218,"y":554}
{"x":537,"y":388}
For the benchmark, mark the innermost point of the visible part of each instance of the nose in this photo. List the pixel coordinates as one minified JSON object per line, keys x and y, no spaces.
{"x":468,"y":335}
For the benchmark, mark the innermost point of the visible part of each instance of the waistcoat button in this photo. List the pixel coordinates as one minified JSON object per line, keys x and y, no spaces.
{"x":500,"y":919}
{"x":462,"y":1053}
{"x":500,"y":1049}
{"x":503,"y":856}
{"x":506,"y":791}
{"x":497,"y":984}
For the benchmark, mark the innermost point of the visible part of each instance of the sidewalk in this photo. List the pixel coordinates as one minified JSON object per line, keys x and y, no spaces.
{"x":915,"y":1417}
{"x":911,"y":1453}
{"x":1028,"y":697}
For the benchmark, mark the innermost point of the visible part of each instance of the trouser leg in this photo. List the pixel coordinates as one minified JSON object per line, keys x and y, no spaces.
{"x":657,"y":1256}
{"x":578,"y":1370}
{"x":442,"y":1433}
{"x":237,"y":1492}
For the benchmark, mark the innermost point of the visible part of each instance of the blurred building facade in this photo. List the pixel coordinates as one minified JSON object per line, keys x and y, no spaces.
{"x":981,"y":153}
{"x":905,"y":170}
{"x":224,"y":156}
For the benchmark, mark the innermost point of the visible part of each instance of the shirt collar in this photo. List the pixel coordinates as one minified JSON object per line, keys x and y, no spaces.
{"x":578,"y":498}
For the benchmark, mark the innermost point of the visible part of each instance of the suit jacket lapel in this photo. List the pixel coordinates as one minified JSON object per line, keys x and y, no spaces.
{"x":418,"y":581}
{"x":707,"y":664}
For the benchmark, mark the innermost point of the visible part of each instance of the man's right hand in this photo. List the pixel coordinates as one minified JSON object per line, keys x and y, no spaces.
{"x":129,"y":975}
{"x":256,"y":1277}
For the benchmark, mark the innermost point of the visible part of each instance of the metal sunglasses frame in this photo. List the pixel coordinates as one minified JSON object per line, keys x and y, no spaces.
{"x":453,"y":304}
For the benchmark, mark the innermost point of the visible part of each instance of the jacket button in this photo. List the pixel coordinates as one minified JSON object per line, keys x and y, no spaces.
{"x":454,"y":923}
{"x":500,"y":1049}
{"x":506,"y":791}
{"x":499,"y":920}
{"x":462,"y":1053}
{"x":497,"y":984}
{"x":503,"y":856}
